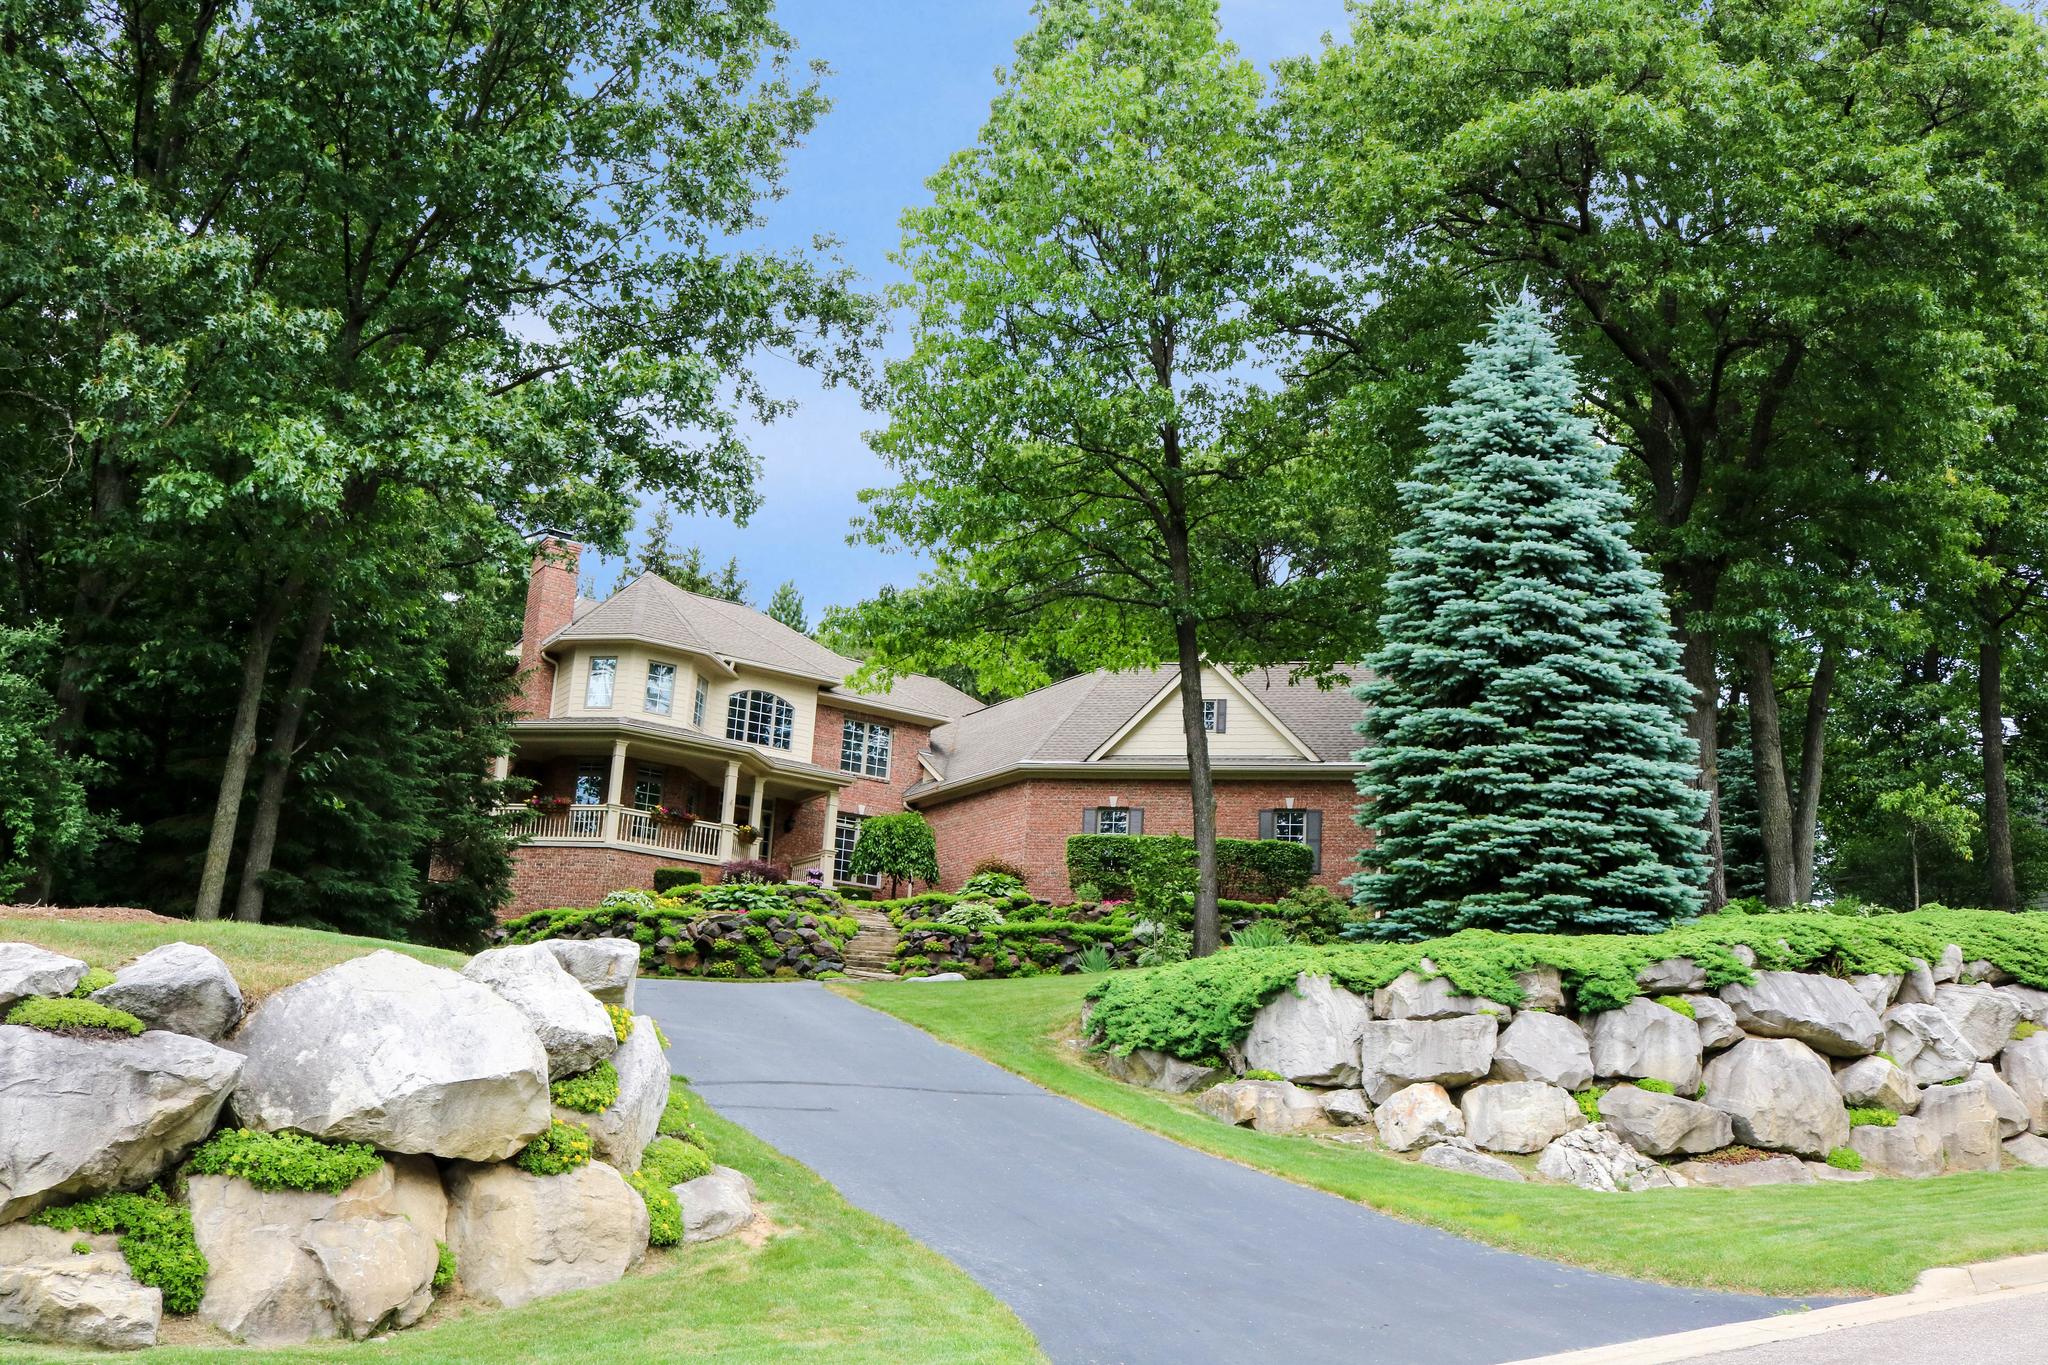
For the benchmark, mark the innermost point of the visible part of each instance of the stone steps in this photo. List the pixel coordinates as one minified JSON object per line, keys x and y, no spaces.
{"x":871,"y":952}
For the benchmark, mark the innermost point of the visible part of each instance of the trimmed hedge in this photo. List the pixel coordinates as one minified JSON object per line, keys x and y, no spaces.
{"x":669,"y":878}
{"x":1196,"y":1009}
{"x":1246,"y":869}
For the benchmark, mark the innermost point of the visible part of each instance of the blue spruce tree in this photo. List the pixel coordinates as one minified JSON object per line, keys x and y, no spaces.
{"x":1527,"y":763}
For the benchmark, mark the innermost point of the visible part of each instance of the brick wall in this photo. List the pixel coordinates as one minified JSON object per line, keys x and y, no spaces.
{"x":1028,"y":822}
{"x":551,"y":875}
{"x":550,"y":605}
{"x":808,"y":841}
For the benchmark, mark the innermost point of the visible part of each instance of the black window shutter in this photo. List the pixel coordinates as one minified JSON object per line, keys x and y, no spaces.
{"x":1222,"y":715}
{"x":1315,"y":841}
{"x":1088,"y":819}
{"x":1137,"y":820}
{"x":1265,"y":824}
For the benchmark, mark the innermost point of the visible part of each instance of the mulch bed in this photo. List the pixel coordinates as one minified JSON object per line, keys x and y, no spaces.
{"x":1736,"y":1156}
{"x":107,"y":914}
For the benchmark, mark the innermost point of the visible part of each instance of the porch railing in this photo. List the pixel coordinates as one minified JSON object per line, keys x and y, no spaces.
{"x":703,"y":840}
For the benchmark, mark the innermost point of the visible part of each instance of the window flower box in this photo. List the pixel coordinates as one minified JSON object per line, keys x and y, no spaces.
{"x":674,"y":815}
{"x":548,"y":805}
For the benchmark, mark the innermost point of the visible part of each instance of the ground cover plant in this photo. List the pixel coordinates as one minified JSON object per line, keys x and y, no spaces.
{"x":155,"y":1237}
{"x":1872,"y":1238}
{"x":285,"y":1161}
{"x":80,"y":1017}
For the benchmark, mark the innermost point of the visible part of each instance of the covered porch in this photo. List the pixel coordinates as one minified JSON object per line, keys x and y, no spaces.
{"x":684,"y":797}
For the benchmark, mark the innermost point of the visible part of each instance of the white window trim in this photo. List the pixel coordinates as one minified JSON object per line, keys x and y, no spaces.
{"x":698,"y":700}
{"x":861,"y":742}
{"x":668,"y":702}
{"x":776,"y":714}
{"x":611,"y":682}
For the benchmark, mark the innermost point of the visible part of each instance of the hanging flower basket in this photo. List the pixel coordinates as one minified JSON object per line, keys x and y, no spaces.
{"x":746,"y":834}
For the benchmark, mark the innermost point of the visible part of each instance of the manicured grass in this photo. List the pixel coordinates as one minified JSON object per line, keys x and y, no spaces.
{"x":263,"y":957}
{"x":833,"y":1284}
{"x":1869,"y":1238}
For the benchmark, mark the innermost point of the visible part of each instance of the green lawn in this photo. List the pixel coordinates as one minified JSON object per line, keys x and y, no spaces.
{"x":263,"y":957}
{"x":1870,"y":1238}
{"x":834,"y":1284}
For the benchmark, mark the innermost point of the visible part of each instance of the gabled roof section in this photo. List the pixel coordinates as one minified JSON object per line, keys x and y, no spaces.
{"x":653,"y":609}
{"x":1170,"y":692}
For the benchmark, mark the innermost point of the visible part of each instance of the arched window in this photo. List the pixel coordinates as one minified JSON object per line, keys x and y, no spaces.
{"x":760,"y":718}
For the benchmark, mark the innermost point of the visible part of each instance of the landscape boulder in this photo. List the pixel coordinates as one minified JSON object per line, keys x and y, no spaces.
{"x":1780,"y":1095}
{"x":621,"y":1132}
{"x":2024,"y":1065}
{"x":1917,"y":987}
{"x":2012,"y":1111}
{"x":1663,"y":1125}
{"x":1394,"y":1053}
{"x":1543,"y":1047}
{"x":1416,"y":1116}
{"x":1458,"y":1154}
{"x":716,"y":1204}
{"x":1646,"y":1039}
{"x":2028,"y":1149}
{"x":567,"y":1019}
{"x":1347,"y":1108}
{"x":181,"y":988}
{"x":1743,"y":1175}
{"x":1266,"y":1106}
{"x":1542,"y":989}
{"x":2030,"y":1002}
{"x":286,"y":1266}
{"x":1964,"y":1119}
{"x":1593,"y":1158}
{"x":1826,"y":1014}
{"x":387,"y":1050}
{"x":1982,"y":1015}
{"x":50,"y":1293}
{"x":1716,"y":1021}
{"x":1309,"y":1034}
{"x":1911,"y":1150}
{"x":1949,"y":965}
{"x":1157,"y":1071}
{"x":1925,"y":1041}
{"x":608,"y":968}
{"x":1672,"y":976}
{"x":520,"y":1237}
{"x":79,"y":1116}
{"x":1877,"y":1083}
{"x":1878,"y":989}
{"x":1423,"y":994}
{"x":26,"y":970}
{"x":1518,"y":1116}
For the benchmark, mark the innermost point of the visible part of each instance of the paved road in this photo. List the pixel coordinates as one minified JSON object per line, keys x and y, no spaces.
{"x":1111,"y":1243}
{"x":2011,"y":1331}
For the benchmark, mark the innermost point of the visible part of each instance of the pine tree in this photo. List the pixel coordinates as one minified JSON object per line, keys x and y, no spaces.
{"x":787,"y":606}
{"x":1528,"y":767}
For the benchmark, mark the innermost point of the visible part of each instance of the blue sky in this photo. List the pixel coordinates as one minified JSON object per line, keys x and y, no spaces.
{"x":910,"y":85}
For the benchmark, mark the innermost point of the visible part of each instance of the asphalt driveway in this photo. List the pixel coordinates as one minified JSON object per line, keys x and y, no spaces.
{"x":1111,"y":1243}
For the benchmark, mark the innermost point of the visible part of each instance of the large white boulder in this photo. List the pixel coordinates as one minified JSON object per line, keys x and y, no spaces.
{"x":2024,"y":1065}
{"x":1827,"y":1015}
{"x":79,"y":1116}
{"x":621,"y":1133}
{"x":1672,"y":976}
{"x":1266,"y":1106}
{"x":1926,"y":1042}
{"x":1542,"y":989}
{"x":1911,"y":1150}
{"x":1878,"y":989}
{"x":1949,"y":965}
{"x":1395,"y":1053}
{"x":1518,"y":1116}
{"x":1875,"y":1083}
{"x":2012,"y":1111}
{"x":519,"y":1237}
{"x":1646,"y":1039}
{"x":1347,"y":1108}
{"x":1416,"y":1116}
{"x":1543,"y":1047}
{"x":1983,"y":1015}
{"x":386,"y":1050}
{"x":286,"y":1266}
{"x":1593,"y":1158}
{"x":1425,"y":994}
{"x":51,"y":1293}
{"x":1964,"y":1119}
{"x":1779,"y":1094}
{"x":568,"y":1019}
{"x":27,"y":970}
{"x":606,"y":967}
{"x":1664,"y":1125}
{"x":716,"y":1204}
{"x":179,"y":987}
{"x":2030,"y":1002}
{"x":1917,"y":986}
{"x":2028,"y":1150}
{"x":1716,"y":1021}
{"x":1746,"y":1175}
{"x":1457,"y":1154}
{"x":1309,"y":1034}
{"x":1157,"y":1071}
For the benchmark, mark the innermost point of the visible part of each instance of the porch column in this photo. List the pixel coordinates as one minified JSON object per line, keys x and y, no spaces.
{"x":617,"y":786}
{"x":727,"y":802}
{"x":501,"y":767}
{"x":759,"y":818}
{"x":831,"y":834}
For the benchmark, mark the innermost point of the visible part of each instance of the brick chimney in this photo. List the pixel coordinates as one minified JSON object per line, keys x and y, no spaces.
{"x":550,"y":605}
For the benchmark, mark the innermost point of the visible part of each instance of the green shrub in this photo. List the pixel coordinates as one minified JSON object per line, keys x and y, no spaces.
{"x":622,"y":1020}
{"x":1845,"y":1159}
{"x":1088,"y":893}
{"x":588,"y":1092}
{"x":155,"y":1239}
{"x":664,"y":1210}
{"x":1263,"y":933}
{"x":1259,"y":1073}
{"x":563,"y":1147}
{"x":2025,"y":1028}
{"x":1655,"y":1086}
{"x":95,"y":978}
{"x":81,"y":1248}
{"x":285,"y":1161}
{"x":57,"y":1015}
{"x":669,"y":878}
{"x":730,"y":896}
{"x":971,"y":915}
{"x":1677,"y":1004}
{"x":671,"y":1161}
{"x":1315,"y":914}
{"x":898,"y":846}
{"x":444,"y":1266}
{"x":1246,"y":869}
{"x":1166,"y":946}
{"x":1589,"y":1101}
{"x":992,"y":883}
{"x":1873,"y":1118}
{"x":1094,"y":958}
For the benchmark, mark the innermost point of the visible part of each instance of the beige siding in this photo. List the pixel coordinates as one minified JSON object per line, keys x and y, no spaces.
{"x":629,"y":692}
{"x":1246,"y":733}
{"x":800,"y":693}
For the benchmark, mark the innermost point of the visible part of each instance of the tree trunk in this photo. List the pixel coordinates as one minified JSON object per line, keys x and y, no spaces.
{"x":1766,"y":746}
{"x":2005,"y":891}
{"x":1812,"y":753}
{"x":1703,"y":723}
{"x":234,"y":775}
{"x":284,"y":739}
{"x":1913,"y":859}
{"x":1201,"y":788}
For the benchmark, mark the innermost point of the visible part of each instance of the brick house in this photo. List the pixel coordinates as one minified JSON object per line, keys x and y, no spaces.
{"x":662,"y":728}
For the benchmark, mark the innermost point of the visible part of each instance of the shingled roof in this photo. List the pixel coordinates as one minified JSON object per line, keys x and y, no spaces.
{"x":654,"y":609}
{"x":1070,"y":720}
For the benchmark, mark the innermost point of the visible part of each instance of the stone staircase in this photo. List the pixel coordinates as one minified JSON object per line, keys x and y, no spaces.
{"x":871,"y":953}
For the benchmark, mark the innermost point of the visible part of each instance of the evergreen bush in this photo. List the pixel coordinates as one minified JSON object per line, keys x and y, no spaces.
{"x":669,"y":878}
{"x":1527,"y":765}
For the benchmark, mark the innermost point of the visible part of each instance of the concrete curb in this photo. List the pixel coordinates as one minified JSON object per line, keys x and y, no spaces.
{"x":1943,"y":1287}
